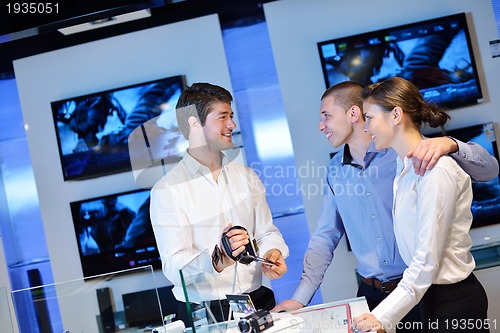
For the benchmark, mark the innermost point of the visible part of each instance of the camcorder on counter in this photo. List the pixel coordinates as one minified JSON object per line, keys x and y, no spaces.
{"x":256,"y":322}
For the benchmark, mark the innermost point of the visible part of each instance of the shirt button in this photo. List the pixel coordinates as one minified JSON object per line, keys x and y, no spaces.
{"x":373,"y":216}
{"x":385,"y":262}
{"x":378,"y":239}
{"x":367,"y":194}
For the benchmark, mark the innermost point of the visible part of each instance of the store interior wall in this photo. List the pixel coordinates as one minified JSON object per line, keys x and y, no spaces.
{"x":301,"y":82}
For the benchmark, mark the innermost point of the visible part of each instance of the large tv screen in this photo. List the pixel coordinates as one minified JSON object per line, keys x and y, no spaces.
{"x":92,"y":130}
{"x":114,"y":233}
{"x":436,"y":55}
{"x":486,"y":195}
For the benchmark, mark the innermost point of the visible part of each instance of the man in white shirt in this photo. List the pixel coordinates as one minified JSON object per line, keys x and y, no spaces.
{"x":201,"y":198}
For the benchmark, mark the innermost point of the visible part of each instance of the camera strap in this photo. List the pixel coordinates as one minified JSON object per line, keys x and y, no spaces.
{"x":233,"y":211}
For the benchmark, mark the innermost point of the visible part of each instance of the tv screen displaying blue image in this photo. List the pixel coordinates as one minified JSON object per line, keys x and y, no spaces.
{"x":92,"y":130}
{"x":486,"y":195}
{"x":114,"y":233}
{"x":436,"y":55}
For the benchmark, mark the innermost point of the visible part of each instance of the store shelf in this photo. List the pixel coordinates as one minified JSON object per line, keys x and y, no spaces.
{"x":487,"y":255}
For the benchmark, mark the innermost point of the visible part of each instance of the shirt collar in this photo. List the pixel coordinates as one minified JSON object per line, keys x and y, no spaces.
{"x":347,"y":157}
{"x":194,"y":166}
{"x":404,"y":166}
{"x":370,"y":152}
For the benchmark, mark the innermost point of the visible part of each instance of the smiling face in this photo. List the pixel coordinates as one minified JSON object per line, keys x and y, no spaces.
{"x":334,"y":122}
{"x":378,"y":123}
{"x":219,"y":126}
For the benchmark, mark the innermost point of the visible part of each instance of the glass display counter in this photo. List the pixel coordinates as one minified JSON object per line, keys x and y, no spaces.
{"x":131,"y":301}
{"x":6,"y":325}
{"x":124,"y":301}
{"x":198,"y":276}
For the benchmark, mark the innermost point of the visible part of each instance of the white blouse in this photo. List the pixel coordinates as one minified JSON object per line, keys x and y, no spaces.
{"x":432,"y":217}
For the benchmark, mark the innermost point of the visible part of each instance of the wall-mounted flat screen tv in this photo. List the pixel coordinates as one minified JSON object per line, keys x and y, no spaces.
{"x":436,"y":55}
{"x":92,"y":130}
{"x":486,"y":195}
{"x":114,"y":233}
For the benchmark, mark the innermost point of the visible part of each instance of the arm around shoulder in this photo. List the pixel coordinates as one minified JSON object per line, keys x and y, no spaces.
{"x":476,"y":161}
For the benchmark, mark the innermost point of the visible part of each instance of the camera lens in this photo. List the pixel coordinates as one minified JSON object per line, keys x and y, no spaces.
{"x":244,"y":326}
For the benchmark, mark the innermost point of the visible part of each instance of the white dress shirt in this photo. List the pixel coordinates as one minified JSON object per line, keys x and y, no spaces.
{"x":189,"y":211}
{"x":432,"y":218}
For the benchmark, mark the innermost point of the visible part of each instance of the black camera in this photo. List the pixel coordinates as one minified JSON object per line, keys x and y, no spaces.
{"x":256,"y":322}
{"x":248,"y":255}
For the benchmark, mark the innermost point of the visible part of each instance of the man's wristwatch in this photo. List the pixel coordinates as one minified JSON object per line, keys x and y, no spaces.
{"x":454,"y":140}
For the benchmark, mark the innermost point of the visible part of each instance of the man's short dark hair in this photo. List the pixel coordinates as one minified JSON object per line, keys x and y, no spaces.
{"x":202,"y":96}
{"x":346,"y":94}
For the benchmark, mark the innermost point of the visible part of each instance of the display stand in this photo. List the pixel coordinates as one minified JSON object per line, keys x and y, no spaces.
{"x":334,"y":317}
{"x":487,"y":255}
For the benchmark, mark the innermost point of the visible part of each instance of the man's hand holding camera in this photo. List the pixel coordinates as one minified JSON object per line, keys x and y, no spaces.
{"x":237,"y":240}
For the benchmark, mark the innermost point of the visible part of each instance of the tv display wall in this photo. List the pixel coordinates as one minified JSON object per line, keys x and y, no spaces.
{"x":114,"y":233}
{"x":92,"y":130}
{"x":436,"y":55}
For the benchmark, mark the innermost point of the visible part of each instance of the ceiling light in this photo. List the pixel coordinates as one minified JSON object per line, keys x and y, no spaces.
{"x":106,"y":22}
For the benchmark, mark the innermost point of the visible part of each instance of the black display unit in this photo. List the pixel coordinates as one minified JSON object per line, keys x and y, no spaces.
{"x":114,"y":233}
{"x":436,"y":55}
{"x":92,"y":130}
{"x":142,"y":309}
{"x":486,"y":195}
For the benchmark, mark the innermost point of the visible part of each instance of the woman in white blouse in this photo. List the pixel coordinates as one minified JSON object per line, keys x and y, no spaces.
{"x":432,"y":218}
